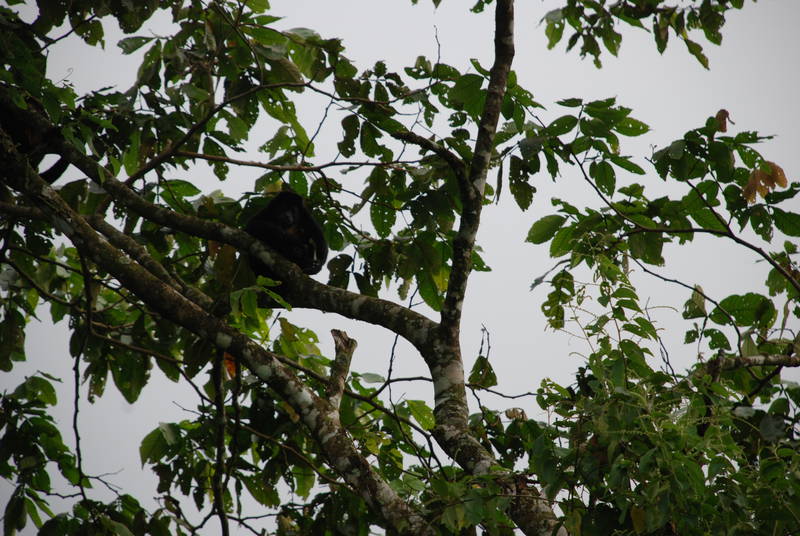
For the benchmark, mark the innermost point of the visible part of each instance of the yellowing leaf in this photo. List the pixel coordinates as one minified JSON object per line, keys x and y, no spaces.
{"x":638,"y":518}
{"x":763,"y":182}
{"x":749,"y":190}
{"x":516,"y":413}
{"x":778,"y":176}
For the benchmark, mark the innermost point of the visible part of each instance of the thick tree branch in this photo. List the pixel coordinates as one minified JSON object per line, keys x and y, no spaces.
{"x":445,"y":362}
{"x":760,"y":360}
{"x":791,"y":358}
{"x":20,"y":211}
{"x":217,"y":478}
{"x":140,"y":254}
{"x":302,"y":291}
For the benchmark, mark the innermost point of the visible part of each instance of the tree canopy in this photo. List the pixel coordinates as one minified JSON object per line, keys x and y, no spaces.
{"x":101,"y":229}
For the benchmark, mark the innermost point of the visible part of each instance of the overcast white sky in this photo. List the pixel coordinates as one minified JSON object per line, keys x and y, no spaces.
{"x":755,"y":75}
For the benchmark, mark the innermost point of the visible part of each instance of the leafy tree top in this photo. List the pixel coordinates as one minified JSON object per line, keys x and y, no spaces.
{"x":148,"y":269}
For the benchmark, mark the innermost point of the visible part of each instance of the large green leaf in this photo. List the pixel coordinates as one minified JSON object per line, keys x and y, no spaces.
{"x":545,"y":228}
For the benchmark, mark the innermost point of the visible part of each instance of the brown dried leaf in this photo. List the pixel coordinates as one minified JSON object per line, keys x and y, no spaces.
{"x":229,"y":362}
{"x":749,"y":193}
{"x":751,"y":188}
{"x":722,"y":117}
{"x":763,"y":190}
{"x":516,"y":413}
{"x":778,"y":176}
{"x":768,"y":180}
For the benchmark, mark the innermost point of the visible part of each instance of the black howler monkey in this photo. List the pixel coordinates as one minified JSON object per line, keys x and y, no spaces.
{"x":31,"y":142}
{"x":287,"y":226}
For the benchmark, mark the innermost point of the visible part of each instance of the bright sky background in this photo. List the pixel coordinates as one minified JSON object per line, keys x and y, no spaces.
{"x":755,"y":75}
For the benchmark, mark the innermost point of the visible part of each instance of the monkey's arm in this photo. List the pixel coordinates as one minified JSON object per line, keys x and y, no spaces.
{"x":55,"y":171}
{"x":263,"y":229}
{"x":315,"y":235}
{"x":270,"y":234}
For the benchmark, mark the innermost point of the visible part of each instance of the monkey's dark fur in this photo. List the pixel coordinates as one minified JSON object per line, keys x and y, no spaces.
{"x":287,"y":226}
{"x":32,"y":143}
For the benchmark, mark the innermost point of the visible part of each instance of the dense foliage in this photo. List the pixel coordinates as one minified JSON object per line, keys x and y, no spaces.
{"x":146,"y":269}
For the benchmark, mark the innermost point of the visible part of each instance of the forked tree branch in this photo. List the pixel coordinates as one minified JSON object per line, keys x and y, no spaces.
{"x":529,"y":510}
{"x":440,"y":347}
{"x":299,"y":289}
{"x":318,"y":415}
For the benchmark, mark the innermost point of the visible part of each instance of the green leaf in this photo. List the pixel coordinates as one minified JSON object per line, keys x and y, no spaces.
{"x":780,"y":406}
{"x":153,"y":447}
{"x":648,"y":247}
{"x":370,"y":377}
{"x":554,"y":28}
{"x":369,"y":140}
{"x":522,"y":192}
{"x":428,"y":290}
{"x":560,"y":126}
{"x":706,"y":219}
{"x":723,"y":161}
{"x":618,"y":374}
{"x":43,"y":389}
{"x":421,"y":413}
{"x":130,"y":373}
{"x":118,"y":528}
{"x":625,"y":163}
{"x":552,"y":163}
{"x":518,"y":175}
{"x":631,"y":127}
{"x":570,"y":103}
{"x":562,"y":242}
{"x":545,"y":229}
{"x":148,"y":70}
{"x":170,"y":432}
{"x":304,"y":478}
{"x":638,"y":518}
{"x":467,"y":93}
{"x":259,"y":6}
{"x":261,"y":491}
{"x":705,"y":193}
{"x":581,"y":144}
{"x":697,"y":51}
{"x":91,"y":31}
{"x":786,"y":222}
{"x":182,"y":188}
{"x":695,"y":307}
{"x":14,"y":517}
{"x":772,"y":428}
{"x":12,"y":339}
{"x":132,"y":44}
{"x":350,"y":126}
{"x":482,"y":373}
{"x":749,"y":309}
{"x":383,"y":217}
{"x":453,"y":517}
{"x":604,"y":176}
